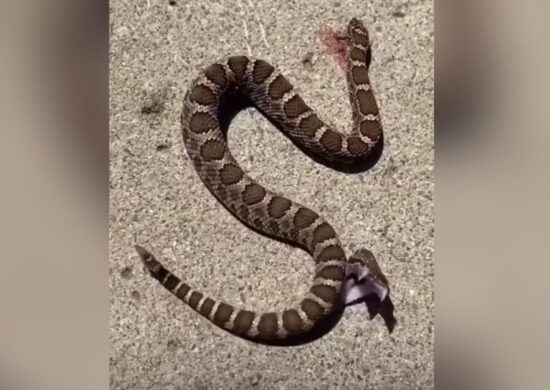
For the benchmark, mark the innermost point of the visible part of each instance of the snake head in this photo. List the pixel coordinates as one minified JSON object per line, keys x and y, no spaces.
{"x":366,"y":260}
{"x":364,"y":278}
{"x":366,"y":282}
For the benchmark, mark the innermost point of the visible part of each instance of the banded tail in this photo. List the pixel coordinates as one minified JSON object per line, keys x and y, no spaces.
{"x":255,"y":326}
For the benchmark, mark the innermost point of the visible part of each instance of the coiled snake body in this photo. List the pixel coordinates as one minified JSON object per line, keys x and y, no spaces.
{"x":269,"y":212}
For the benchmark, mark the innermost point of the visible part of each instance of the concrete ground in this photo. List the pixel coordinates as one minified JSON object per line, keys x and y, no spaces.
{"x":158,"y":201}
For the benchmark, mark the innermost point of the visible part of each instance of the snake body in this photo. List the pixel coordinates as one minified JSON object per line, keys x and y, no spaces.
{"x":263,"y":209}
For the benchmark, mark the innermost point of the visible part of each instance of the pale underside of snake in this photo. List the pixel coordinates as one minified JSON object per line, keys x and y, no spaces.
{"x":337,"y":280}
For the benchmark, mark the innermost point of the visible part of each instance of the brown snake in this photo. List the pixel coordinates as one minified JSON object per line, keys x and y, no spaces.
{"x":266,"y":211}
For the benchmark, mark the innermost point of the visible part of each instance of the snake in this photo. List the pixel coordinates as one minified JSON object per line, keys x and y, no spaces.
{"x":269,"y":212}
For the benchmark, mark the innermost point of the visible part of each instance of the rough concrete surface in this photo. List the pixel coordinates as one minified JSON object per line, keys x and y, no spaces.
{"x":158,"y":201}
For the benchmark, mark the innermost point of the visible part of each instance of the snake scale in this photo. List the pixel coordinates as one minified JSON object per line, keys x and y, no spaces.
{"x":267,"y":211}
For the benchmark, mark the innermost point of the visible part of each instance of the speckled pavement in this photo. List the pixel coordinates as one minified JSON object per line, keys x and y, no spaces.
{"x":158,"y":201}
